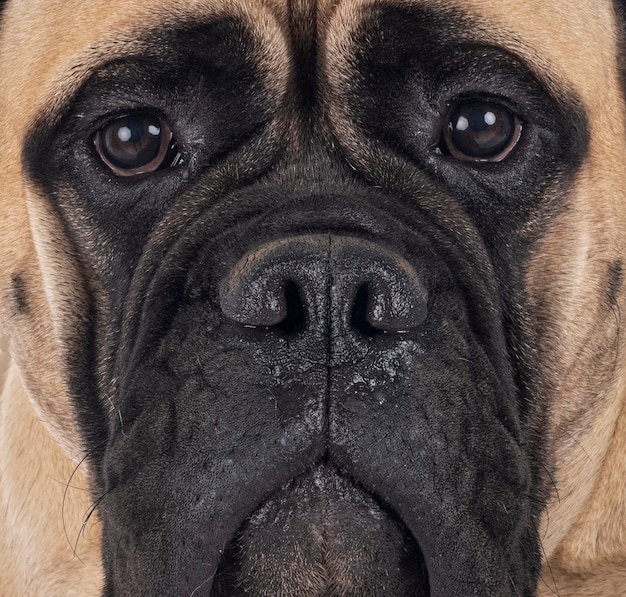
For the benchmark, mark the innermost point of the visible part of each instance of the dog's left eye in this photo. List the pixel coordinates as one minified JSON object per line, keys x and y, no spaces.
{"x":137,"y":144}
{"x":480,"y":130}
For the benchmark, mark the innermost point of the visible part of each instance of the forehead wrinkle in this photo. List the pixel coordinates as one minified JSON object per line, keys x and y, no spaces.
{"x":566,"y":36}
{"x":75,"y":38}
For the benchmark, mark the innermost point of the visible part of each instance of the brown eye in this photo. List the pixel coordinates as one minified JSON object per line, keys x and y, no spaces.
{"x":136,"y":144}
{"x":481,"y":131}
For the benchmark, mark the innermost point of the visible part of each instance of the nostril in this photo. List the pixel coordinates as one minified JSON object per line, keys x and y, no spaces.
{"x":254,"y":299}
{"x":359,"y":319}
{"x":271,"y":285}
{"x":380,"y":308}
{"x":379,"y":289}
{"x":294,"y":320}
{"x":285,"y":284}
{"x":396,"y":302}
{"x":263,"y":295}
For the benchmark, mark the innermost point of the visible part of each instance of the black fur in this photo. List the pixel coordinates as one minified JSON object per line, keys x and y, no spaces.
{"x":19,"y":294}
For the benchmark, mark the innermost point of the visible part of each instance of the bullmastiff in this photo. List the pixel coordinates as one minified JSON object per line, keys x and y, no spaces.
{"x":312,"y":298}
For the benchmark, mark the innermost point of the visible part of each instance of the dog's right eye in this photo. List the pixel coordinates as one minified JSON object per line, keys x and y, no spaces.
{"x":137,"y":144}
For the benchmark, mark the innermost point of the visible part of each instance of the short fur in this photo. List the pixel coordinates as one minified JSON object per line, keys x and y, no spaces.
{"x":100,"y":283}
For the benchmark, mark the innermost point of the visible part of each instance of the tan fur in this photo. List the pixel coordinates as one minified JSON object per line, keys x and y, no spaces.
{"x":48,"y":47}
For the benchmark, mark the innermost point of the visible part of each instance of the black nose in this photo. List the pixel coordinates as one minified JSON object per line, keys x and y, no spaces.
{"x":296,"y":280}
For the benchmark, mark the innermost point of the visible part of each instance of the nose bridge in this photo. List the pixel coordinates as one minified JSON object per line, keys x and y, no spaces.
{"x":348,"y":284}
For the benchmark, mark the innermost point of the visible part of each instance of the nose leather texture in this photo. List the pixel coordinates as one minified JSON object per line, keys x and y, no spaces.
{"x":370,"y":285}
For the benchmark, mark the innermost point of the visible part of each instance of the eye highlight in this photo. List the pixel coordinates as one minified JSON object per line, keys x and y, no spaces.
{"x":479,"y":130}
{"x":137,"y":144}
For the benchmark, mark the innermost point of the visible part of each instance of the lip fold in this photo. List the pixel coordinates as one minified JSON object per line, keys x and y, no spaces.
{"x":322,"y":536}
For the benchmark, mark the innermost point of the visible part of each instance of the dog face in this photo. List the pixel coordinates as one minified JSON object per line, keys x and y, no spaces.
{"x":323,"y":296}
